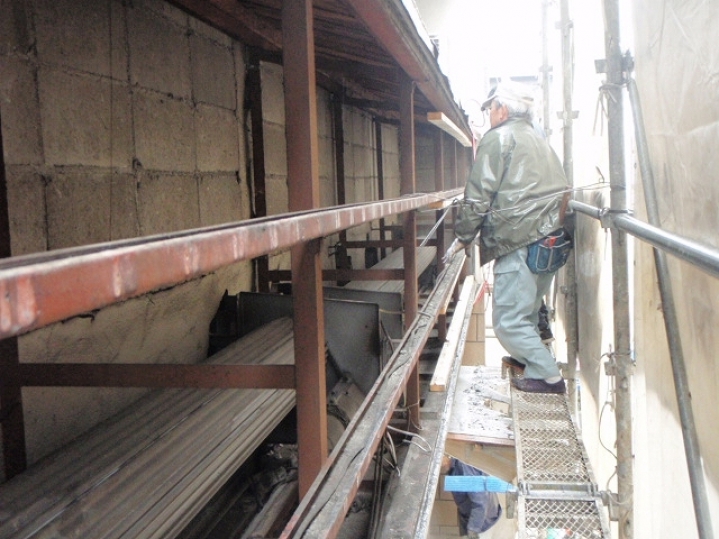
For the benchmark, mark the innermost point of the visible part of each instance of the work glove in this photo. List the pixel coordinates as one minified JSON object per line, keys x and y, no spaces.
{"x":453,"y":249}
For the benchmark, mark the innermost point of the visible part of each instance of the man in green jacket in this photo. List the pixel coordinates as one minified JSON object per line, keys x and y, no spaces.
{"x":515,"y":195}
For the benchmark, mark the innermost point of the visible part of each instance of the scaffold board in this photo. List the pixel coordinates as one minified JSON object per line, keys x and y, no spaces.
{"x":557,"y":495}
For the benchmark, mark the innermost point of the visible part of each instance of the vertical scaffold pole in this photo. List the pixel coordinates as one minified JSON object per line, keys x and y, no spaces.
{"x":620,"y":271}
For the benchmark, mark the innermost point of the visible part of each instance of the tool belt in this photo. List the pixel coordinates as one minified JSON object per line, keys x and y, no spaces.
{"x":550,"y":253}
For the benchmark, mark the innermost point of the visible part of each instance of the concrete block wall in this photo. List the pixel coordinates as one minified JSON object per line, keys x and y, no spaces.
{"x":123,"y":120}
{"x":359,"y":157}
{"x":474,"y":346}
{"x":119,"y":120}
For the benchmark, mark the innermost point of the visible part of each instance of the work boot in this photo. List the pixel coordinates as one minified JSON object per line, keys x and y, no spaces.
{"x":533,"y":385}
{"x":546,"y":335}
{"x":509,"y":361}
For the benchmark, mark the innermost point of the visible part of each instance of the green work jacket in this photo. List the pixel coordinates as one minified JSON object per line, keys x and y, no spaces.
{"x":514,"y":192}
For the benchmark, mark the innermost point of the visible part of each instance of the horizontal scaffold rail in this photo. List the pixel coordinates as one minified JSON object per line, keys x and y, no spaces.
{"x":40,"y":289}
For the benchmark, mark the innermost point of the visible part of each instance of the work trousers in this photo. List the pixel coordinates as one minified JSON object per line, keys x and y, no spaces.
{"x":516,"y":301}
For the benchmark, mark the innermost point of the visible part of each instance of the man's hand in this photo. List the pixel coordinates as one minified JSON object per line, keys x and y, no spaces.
{"x":453,"y":249}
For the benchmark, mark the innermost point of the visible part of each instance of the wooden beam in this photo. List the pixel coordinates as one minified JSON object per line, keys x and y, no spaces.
{"x":449,"y":350}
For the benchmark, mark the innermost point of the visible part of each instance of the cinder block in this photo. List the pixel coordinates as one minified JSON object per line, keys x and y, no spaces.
{"x":205,"y":30}
{"x":444,"y":513}
{"x":327,"y":162}
{"x":390,"y":139}
{"x":124,"y":223}
{"x":85,"y":120}
{"x":364,"y":162}
{"x":325,"y":119}
{"x":479,"y":305}
{"x":218,"y":146}
{"x":349,"y":160}
{"x":26,"y":207}
{"x":14,"y":28}
{"x":81,"y":35}
{"x":441,"y":493}
{"x":275,"y":150}
{"x":220,"y":199}
{"x":78,"y":209}
{"x":159,"y":53}
{"x":481,"y":326}
{"x":327,"y":192}
{"x":167,"y":203}
{"x":213,"y":73}
{"x":472,"y":329}
{"x":164,"y":133}
{"x":473,"y":353}
{"x":273,"y":94}
{"x":449,"y":531}
{"x":165,"y":10}
{"x":276,"y":188}
{"x":20,"y":112}
{"x":361,"y":127}
{"x":238,"y":54}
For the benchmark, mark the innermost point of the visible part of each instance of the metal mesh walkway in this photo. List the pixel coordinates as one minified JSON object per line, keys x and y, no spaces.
{"x":557,"y":495}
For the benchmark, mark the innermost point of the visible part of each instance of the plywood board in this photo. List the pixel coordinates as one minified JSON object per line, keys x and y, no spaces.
{"x":481,"y":407}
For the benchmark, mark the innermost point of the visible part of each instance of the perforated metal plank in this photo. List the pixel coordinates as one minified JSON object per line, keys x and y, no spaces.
{"x":550,"y":449}
{"x":557,"y":494}
{"x":542,"y":518}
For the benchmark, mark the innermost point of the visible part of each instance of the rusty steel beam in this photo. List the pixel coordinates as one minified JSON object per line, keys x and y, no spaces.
{"x":253,"y":91}
{"x":381,"y":244}
{"x":408,"y":185}
{"x":322,"y":511}
{"x":154,"y":375}
{"x":236,"y":20}
{"x":11,"y":409}
{"x":380,"y":181}
{"x":439,"y":186}
{"x":300,"y":91}
{"x":38,"y":290}
{"x":339,"y":132}
{"x":346,"y":275}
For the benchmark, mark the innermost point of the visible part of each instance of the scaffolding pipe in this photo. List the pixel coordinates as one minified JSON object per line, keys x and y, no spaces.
{"x":545,"y":70}
{"x":570,"y":271}
{"x":671,"y":323}
{"x":704,"y":257}
{"x":620,"y":272}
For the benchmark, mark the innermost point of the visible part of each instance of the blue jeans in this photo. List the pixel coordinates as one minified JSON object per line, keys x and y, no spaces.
{"x":516,"y":300}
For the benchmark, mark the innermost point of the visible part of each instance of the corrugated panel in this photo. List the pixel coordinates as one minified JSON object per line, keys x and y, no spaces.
{"x":147,"y":471}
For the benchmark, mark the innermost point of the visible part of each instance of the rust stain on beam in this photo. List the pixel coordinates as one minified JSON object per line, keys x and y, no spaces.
{"x":38,"y":290}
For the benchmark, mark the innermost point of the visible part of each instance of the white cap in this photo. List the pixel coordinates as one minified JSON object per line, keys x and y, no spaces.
{"x":513,"y":91}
